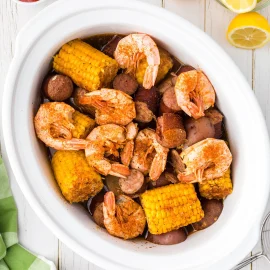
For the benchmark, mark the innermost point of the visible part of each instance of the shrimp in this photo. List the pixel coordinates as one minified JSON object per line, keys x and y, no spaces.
{"x":194,"y":93}
{"x":53,"y":125}
{"x":134,"y":47}
{"x":149,"y":156}
{"x":112,"y":106}
{"x":123,"y":217}
{"x":104,"y":141}
{"x":127,"y":152}
{"x":207,"y":159}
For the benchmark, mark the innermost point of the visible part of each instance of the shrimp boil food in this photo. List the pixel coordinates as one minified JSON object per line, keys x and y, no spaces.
{"x":135,"y":135}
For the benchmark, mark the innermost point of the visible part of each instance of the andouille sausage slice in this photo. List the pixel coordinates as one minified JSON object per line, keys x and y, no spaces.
{"x":170,"y":81}
{"x":176,"y":161}
{"x":169,"y":238}
{"x":98,"y":215}
{"x":170,"y":130}
{"x":77,"y":95}
{"x":164,"y":109}
{"x":169,"y":100}
{"x":132,"y":183}
{"x":198,"y":130}
{"x":184,"y":68}
{"x":216,"y":119}
{"x":125,"y":83}
{"x":58,"y":87}
{"x":146,"y":102}
{"x":162,"y":181}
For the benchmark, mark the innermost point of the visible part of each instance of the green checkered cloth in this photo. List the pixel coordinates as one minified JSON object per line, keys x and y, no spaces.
{"x":12,"y":255}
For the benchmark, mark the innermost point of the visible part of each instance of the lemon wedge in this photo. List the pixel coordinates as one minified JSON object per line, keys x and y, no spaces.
{"x":239,"y":6}
{"x":248,"y":31}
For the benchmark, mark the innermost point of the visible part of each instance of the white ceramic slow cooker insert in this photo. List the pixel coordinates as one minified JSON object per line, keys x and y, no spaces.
{"x":220,"y":246}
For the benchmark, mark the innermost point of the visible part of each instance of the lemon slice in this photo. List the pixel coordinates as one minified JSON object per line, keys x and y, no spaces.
{"x":248,"y":31}
{"x":239,"y":6}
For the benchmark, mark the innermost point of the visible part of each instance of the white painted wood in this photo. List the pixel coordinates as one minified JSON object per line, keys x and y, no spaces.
{"x":191,"y":10}
{"x":32,"y":232}
{"x":261,"y":86}
{"x":217,"y":20}
{"x":207,"y":15}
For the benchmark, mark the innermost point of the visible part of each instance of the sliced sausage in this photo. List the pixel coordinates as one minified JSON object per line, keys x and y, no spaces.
{"x":176,"y":161}
{"x":169,"y":238}
{"x":112,"y":183}
{"x":110,"y":47}
{"x":170,"y":130}
{"x":162,"y":181}
{"x":58,"y":87}
{"x":95,"y":208}
{"x":216,"y":119}
{"x":212,"y":210}
{"x":146,"y":102}
{"x":125,"y":83}
{"x":164,"y":109}
{"x":132,"y":183}
{"x":198,"y":130}
{"x":169,"y":82}
{"x":98,"y":215}
{"x":77,"y":95}
{"x":185,"y":68}
{"x":169,"y":99}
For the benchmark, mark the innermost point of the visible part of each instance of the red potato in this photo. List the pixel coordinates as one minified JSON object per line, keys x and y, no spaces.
{"x":170,"y":130}
{"x":132,"y":183}
{"x":198,"y":130}
{"x":146,"y":102}
{"x":77,"y":95}
{"x":125,"y":83}
{"x":212,"y":210}
{"x":169,"y":238}
{"x":216,"y":119}
{"x":169,"y":100}
{"x":110,"y":47}
{"x":58,"y":87}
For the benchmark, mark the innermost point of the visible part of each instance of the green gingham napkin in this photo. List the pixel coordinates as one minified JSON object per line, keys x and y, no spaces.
{"x":12,"y":255}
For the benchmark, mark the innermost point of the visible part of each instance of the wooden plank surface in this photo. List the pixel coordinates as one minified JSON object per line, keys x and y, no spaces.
{"x":207,"y":15}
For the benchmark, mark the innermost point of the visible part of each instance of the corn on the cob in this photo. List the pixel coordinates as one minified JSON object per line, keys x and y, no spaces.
{"x":88,"y":67}
{"x":83,"y":125}
{"x":218,"y":188}
{"x":166,"y":63}
{"x":76,"y":179}
{"x":171,"y":207}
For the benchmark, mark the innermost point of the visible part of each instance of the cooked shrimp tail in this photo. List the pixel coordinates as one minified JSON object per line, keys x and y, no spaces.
{"x":194,"y":93}
{"x":131,"y":49}
{"x":102,"y":142}
{"x":53,"y":125}
{"x":207,"y":159}
{"x":149,"y":156}
{"x":112,"y":106}
{"x":123,"y":217}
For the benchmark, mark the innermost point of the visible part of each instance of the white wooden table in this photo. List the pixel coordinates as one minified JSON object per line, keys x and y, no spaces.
{"x":207,"y":15}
